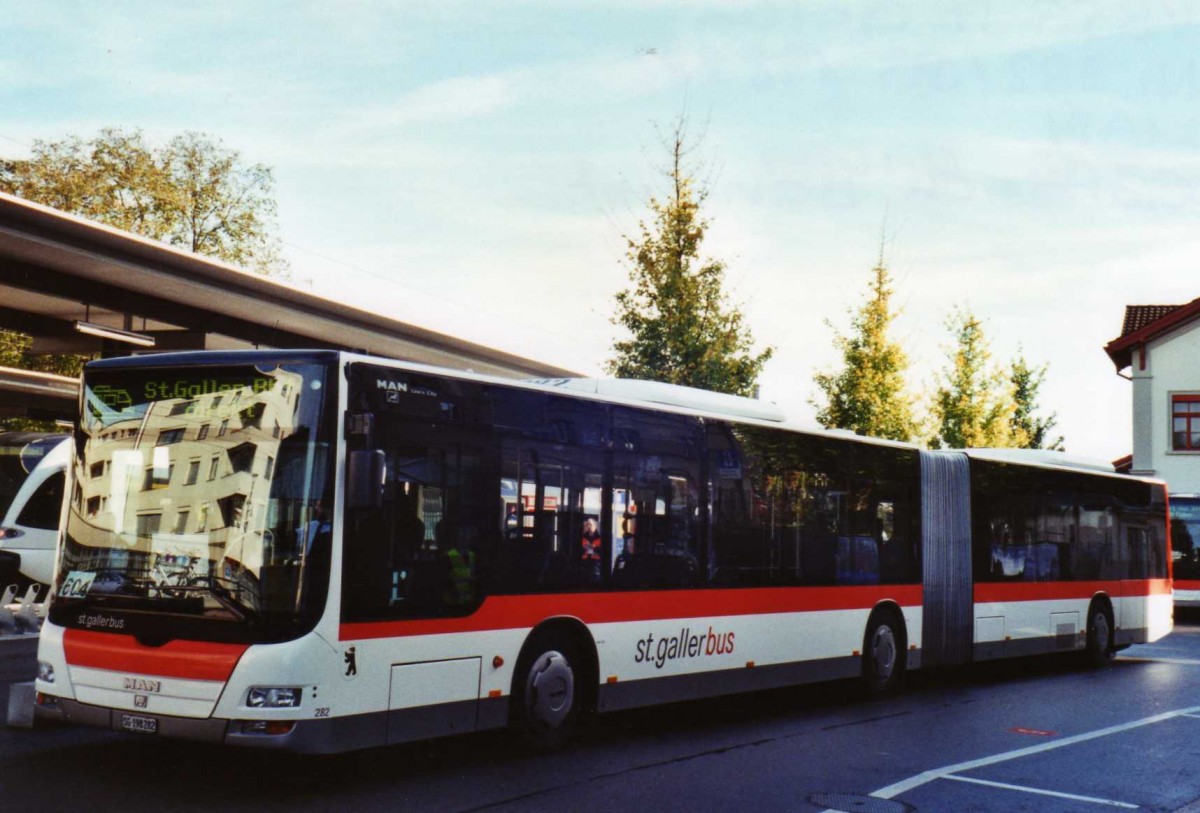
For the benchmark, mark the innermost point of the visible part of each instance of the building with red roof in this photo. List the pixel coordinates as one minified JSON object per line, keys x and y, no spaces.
{"x":1159,"y":345}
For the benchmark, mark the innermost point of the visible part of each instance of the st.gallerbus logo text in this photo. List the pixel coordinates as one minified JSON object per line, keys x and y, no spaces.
{"x":684,"y":645}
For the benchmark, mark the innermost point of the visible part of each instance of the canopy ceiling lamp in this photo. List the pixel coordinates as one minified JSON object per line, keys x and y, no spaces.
{"x":127,"y":336}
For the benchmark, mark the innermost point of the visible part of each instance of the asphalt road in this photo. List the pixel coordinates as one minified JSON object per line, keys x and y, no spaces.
{"x":1035,"y":735}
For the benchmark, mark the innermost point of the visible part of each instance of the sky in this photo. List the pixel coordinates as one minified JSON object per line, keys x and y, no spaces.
{"x":474,"y":167}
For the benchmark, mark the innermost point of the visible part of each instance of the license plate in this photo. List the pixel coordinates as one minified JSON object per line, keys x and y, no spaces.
{"x":139,"y":724}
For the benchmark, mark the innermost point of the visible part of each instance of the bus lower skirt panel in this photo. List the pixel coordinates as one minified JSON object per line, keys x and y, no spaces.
{"x":651,"y":691}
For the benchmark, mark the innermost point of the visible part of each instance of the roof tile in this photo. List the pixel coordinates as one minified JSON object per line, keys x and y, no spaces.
{"x":1138,"y":316}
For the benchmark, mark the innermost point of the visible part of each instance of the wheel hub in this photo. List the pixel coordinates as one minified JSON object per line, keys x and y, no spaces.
{"x":551,"y":689}
{"x":883,"y":651}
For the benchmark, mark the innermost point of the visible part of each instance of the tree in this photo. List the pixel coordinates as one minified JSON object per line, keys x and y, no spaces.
{"x":682,"y":329}
{"x":973,"y":405}
{"x":194,"y":193}
{"x":14,"y":352}
{"x":1026,"y":381}
{"x":868,"y":394}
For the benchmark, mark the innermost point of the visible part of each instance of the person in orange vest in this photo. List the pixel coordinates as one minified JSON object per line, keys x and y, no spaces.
{"x":590,"y":544}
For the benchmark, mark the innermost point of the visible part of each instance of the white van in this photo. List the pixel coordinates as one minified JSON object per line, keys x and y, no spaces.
{"x":33,"y":468}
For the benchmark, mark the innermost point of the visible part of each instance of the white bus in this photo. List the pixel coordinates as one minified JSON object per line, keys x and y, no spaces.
{"x":33,"y":469}
{"x":323,"y":551}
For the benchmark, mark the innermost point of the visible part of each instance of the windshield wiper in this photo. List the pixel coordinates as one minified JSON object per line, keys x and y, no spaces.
{"x":142,"y":600}
{"x":220,"y":593}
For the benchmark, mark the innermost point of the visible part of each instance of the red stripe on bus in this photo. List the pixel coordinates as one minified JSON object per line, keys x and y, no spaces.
{"x":194,"y":660}
{"x":1044,"y":591}
{"x":517,"y":612}
{"x":1187,"y":584}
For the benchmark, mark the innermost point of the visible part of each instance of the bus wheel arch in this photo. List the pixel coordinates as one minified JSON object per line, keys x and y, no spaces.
{"x":885,"y":650}
{"x":1101,"y":629}
{"x":554,"y":683}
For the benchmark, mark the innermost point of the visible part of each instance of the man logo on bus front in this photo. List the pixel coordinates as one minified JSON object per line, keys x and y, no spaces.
{"x":351,"y":663}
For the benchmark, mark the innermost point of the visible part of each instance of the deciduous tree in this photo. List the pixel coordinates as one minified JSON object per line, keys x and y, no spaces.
{"x":193,"y":193}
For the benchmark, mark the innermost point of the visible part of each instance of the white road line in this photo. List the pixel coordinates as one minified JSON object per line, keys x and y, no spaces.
{"x":903,"y":786}
{"x":1041,"y":792}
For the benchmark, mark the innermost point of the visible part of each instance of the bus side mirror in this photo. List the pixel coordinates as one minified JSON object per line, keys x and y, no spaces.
{"x":365,"y":472}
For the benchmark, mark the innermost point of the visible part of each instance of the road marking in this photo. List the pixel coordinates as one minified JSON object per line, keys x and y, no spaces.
{"x":905,"y":785}
{"x":1181,"y":661}
{"x":1041,"y":792}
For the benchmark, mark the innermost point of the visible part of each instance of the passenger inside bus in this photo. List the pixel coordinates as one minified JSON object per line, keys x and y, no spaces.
{"x":590,"y":551}
{"x":458,"y":561}
{"x":624,"y":572}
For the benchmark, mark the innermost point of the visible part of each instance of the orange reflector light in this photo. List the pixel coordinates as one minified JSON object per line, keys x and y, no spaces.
{"x":495,"y":693}
{"x":612,"y":678}
{"x":277,"y":727}
{"x":857,"y":653}
{"x":497,"y":662}
{"x":749,"y":664}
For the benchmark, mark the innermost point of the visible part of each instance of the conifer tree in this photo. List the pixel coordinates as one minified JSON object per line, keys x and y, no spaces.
{"x":868,"y":394}
{"x":1026,"y":381}
{"x":973,"y":405}
{"x":681,"y":327}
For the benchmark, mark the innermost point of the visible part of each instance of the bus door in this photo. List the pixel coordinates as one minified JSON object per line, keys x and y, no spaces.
{"x":1138,"y":570}
{"x":948,"y":615}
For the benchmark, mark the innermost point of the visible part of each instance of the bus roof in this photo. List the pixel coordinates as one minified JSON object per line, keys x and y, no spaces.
{"x":657,"y":392}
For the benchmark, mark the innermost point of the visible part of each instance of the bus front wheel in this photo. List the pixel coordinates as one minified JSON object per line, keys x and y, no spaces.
{"x":546,"y":699}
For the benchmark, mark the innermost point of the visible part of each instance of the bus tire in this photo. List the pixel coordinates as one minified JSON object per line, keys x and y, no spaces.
{"x":547,"y":694}
{"x":883,"y":653}
{"x":1099,"y":649}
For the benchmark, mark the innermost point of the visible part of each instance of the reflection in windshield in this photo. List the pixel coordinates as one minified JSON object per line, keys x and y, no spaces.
{"x":197,"y":490}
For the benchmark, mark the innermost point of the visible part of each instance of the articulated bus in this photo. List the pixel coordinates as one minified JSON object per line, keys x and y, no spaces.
{"x":323,"y":551}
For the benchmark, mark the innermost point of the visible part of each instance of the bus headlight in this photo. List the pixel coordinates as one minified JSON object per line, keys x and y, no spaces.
{"x":273,"y":697}
{"x":45,"y":672}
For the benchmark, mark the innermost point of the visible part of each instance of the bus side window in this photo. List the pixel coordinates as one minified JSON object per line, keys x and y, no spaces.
{"x":656,"y":470}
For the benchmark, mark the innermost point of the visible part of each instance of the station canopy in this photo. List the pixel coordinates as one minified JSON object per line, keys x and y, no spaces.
{"x":79,"y":287}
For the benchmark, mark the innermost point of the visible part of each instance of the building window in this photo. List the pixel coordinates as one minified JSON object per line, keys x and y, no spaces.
{"x":169,"y":436}
{"x":1185,"y":423}
{"x":147,"y":524}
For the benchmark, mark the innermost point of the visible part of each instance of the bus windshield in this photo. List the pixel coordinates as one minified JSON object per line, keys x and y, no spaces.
{"x":200,"y":496}
{"x":1185,"y":535}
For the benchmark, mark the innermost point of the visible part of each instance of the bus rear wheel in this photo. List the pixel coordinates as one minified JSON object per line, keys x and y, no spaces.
{"x":1099,"y":650}
{"x":883,"y":653}
{"x":546,"y":698}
